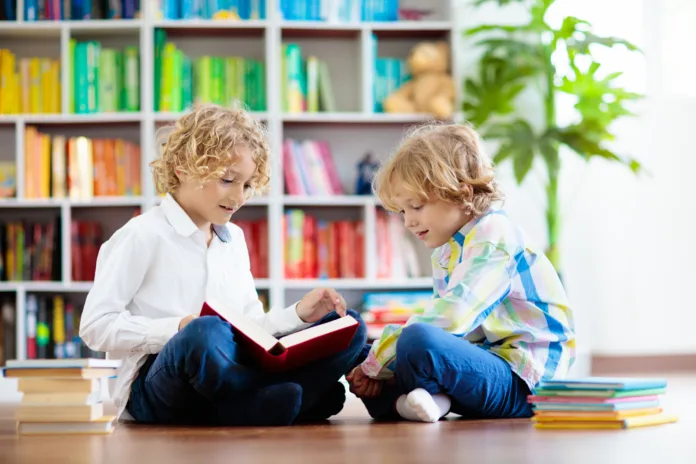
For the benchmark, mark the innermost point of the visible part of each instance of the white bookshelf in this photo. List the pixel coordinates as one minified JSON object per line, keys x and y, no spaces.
{"x":351,"y":131}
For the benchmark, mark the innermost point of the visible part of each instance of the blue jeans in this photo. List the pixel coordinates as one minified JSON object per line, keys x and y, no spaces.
{"x":480,"y":384}
{"x":202,"y":377}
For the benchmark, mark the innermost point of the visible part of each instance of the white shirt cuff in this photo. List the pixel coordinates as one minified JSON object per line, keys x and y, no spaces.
{"x":286,"y":320}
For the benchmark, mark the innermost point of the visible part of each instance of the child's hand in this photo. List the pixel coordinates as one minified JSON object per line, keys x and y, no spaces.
{"x":362,"y":386}
{"x":185,"y":321}
{"x":320,"y":302}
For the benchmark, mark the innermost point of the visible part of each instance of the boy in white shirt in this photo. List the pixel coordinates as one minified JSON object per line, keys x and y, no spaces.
{"x":154,"y":274}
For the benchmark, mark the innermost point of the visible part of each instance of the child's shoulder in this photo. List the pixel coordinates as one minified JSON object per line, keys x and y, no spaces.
{"x":147,"y":227}
{"x":496,"y":226}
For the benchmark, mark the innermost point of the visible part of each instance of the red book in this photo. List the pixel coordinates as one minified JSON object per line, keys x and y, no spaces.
{"x":294,"y":350}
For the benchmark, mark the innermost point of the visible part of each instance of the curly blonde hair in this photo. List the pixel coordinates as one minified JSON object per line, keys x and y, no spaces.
{"x":203,"y":142}
{"x":445,"y":161}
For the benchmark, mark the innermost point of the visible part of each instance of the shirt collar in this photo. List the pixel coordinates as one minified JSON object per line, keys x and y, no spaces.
{"x":182,"y":223}
{"x":455,"y":244}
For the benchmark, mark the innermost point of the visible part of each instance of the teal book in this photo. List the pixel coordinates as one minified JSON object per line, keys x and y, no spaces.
{"x":604,"y":383}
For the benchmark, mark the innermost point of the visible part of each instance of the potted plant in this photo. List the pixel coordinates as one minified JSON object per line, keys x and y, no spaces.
{"x":529,"y":57}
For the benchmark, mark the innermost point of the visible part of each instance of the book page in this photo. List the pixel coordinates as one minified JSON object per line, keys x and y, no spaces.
{"x":316,"y":331}
{"x":245,"y":325}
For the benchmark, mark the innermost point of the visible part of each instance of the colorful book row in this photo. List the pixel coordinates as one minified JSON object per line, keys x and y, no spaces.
{"x":29,"y":85}
{"x":181,"y":81}
{"x":305,"y":83}
{"x":79,"y":168}
{"x":39,"y":10}
{"x":30,"y":250}
{"x":52,"y":326}
{"x":212,"y":9}
{"x":320,"y":249}
{"x":339,"y":10}
{"x":103,"y":79}
{"x":309,"y":168}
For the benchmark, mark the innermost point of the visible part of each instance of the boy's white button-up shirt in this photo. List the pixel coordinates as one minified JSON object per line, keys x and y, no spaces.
{"x":156,"y":270}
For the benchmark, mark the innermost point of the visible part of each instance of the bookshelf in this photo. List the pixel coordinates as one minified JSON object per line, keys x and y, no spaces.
{"x":351,"y":130}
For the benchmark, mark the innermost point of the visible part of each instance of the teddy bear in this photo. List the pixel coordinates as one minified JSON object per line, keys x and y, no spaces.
{"x":431,"y":87}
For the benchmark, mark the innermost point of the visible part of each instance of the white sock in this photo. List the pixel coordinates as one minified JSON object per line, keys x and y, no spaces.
{"x":419,"y":405}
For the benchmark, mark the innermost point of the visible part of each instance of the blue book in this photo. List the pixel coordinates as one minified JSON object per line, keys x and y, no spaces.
{"x":604,"y":383}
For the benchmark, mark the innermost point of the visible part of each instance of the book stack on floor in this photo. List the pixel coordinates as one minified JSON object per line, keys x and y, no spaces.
{"x":62,"y":396}
{"x":599,"y":403}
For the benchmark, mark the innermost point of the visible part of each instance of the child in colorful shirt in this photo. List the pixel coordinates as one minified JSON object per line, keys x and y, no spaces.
{"x":499,"y":321}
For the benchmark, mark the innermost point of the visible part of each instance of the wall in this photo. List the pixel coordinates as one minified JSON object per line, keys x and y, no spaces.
{"x":627,"y":243}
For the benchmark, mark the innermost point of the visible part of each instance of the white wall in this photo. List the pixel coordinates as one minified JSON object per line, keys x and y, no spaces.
{"x":628,"y":242}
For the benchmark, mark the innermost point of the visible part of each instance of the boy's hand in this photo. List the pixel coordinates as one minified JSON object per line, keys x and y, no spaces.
{"x":320,"y":302}
{"x":185,"y":321}
{"x":362,"y":386}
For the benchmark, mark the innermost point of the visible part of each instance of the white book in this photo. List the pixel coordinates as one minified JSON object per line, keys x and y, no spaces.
{"x":81,"y":363}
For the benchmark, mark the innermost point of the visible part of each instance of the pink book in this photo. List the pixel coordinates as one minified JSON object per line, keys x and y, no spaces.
{"x":330,"y":167}
{"x":588,"y":399}
{"x":293,"y":184}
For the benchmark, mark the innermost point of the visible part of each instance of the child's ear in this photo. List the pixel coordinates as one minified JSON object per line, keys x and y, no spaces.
{"x":468,"y":193}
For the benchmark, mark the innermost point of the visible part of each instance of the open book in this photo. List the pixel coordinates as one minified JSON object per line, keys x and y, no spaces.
{"x":291,"y":351}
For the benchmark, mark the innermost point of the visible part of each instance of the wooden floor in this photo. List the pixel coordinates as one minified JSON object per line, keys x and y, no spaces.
{"x":351,"y":437}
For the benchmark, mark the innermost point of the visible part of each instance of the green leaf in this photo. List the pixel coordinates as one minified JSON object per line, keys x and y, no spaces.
{"x":492,"y":27}
{"x":570,"y":26}
{"x":518,"y":142}
{"x":586,"y":146}
{"x":524,"y":159}
{"x":504,"y":151}
{"x":582,"y":45}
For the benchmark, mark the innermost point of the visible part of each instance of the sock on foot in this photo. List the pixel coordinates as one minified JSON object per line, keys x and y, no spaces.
{"x":419,"y":405}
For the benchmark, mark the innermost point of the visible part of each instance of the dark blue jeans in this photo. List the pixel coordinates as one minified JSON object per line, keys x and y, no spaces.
{"x":480,"y":384}
{"x":202,"y":377}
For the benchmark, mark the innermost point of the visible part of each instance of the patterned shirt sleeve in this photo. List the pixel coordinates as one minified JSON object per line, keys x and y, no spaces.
{"x":476,"y":286}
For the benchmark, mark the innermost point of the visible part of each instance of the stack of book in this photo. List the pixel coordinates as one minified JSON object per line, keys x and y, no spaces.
{"x":599,"y":403}
{"x":61,"y":396}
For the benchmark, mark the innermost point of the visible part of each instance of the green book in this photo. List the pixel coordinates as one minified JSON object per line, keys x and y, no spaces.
{"x":132,"y":78}
{"x":204,"y":76}
{"x":93,"y":52}
{"x":160,"y":40}
{"x":108,"y":94}
{"x":177,"y":88}
{"x":71,"y":78}
{"x":186,"y":83}
{"x":217,"y":85}
{"x":81,"y":88}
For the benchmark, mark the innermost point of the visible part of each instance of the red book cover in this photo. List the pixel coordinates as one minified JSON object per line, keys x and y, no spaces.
{"x":291,"y":351}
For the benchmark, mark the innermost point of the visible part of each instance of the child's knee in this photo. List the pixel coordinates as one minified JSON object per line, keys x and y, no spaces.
{"x":203,"y":334}
{"x":416,"y":339}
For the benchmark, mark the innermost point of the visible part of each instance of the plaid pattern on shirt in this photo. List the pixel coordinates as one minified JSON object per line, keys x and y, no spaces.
{"x":496,"y":291}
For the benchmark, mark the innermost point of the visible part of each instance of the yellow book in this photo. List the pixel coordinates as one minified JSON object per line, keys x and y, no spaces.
{"x":58,"y":161}
{"x":25,"y":83}
{"x":626,"y":423}
{"x":35,"y":85}
{"x":103,"y":425}
{"x":45,"y":191}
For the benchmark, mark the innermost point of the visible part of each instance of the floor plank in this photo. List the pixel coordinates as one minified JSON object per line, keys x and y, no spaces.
{"x":351,"y":437}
